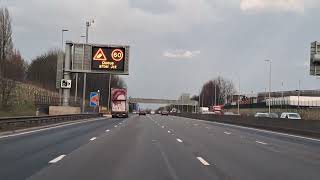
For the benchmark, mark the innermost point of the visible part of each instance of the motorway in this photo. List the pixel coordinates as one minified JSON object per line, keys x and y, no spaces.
{"x":156,"y":147}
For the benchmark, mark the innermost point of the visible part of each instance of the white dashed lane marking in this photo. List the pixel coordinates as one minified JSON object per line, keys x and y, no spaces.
{"x":55,"y":160}
{"x":92,"y":139}
{"x":227,"y":133}
{"x":179,"y":140}
{"x":204,"y":162}
{"x":107,"y":130}
{"x":260,"y":142}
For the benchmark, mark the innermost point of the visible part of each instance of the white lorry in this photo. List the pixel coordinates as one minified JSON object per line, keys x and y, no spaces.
{"x":119,"y":103}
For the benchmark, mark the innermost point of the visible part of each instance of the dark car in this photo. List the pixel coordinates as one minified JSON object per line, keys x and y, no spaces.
{"x":164,"y":113}
{"x":142,"y":113}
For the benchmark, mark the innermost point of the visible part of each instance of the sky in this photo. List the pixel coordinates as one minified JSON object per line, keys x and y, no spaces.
{"x":178,"y":45}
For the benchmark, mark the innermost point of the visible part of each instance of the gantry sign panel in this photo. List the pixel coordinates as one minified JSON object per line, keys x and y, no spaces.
{"x":95,"y":58}
{"x":108,"y":58}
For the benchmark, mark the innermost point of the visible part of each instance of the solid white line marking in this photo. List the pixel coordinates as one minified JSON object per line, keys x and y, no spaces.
{"x":169,"y":131}
{"x":48,"y":128}
{"x":260,"y":130}
{"x":57,"y":159}
{"x":179,"y":140}
{"x":227,"y":133}
{"x":92,"y":139}
{"x":260,"y":142}
{"x":204,"y":162}
{"x":107,"y":130}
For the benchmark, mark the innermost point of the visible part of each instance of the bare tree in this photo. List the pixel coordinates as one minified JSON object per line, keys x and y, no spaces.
{"x":216,"y":91}
{"x":6,"y":44}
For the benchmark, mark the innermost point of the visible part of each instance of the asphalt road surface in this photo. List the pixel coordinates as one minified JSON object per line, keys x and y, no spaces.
{"x":156,"y":147}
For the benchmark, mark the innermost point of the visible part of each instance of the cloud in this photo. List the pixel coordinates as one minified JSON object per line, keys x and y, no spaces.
{"x":181,"y":54}
{"x":272,"y":5}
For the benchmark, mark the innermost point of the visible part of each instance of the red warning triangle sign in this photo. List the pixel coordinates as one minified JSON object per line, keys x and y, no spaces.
{"x":100,"y":56}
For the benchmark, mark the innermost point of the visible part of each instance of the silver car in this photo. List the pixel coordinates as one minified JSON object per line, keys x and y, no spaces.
{"x":289,"y":115}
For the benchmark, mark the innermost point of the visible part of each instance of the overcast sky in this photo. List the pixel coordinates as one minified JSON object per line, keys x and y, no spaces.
{"x":177,"y":45}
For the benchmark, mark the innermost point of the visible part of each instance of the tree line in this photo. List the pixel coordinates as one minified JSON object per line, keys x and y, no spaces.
{"x":40,"y":71}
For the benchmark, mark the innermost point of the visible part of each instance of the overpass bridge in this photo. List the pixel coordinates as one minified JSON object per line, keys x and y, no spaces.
{"x":163,"y":101}
{"x":181,"y":104}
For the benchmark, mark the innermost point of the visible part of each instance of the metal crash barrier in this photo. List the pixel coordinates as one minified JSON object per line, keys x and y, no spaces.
{"x":14,"y":123}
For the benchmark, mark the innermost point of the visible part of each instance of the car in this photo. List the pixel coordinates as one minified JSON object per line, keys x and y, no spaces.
{"x":164,"y":113}
{"x":261,"y":115}
{"x":273,"y":115}
{"x":142,"y":113}
{"x":290,"y":115}
{"x":266,"y":115}
{"x":229,"y":114}
{"x":218,"y":112}
{"x":152,"y":112}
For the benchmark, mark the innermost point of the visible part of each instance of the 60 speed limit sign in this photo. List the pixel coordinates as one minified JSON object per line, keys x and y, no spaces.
{"x":117,"y":55}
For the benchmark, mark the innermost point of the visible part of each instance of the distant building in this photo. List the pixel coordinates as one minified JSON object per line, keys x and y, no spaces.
{"x":295,"y":98}
{"x":262,"y":96}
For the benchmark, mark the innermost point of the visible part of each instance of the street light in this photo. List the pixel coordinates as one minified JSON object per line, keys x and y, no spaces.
{"x":239,"y":97}
{"x":269,"y":61}
{"x":88,"y":24}
{"x":62,"y":41}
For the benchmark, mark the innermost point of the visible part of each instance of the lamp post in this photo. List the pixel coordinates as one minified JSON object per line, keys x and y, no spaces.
{"x":215,"y":93}
{"x":282,"y":94}
{"x":299,"y":95}
{"x":239,"y":98}
{"x":62,"y":40}
{"x":88,"y":24}
{"x":109,"y":93}
{"x":269,"y":61}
